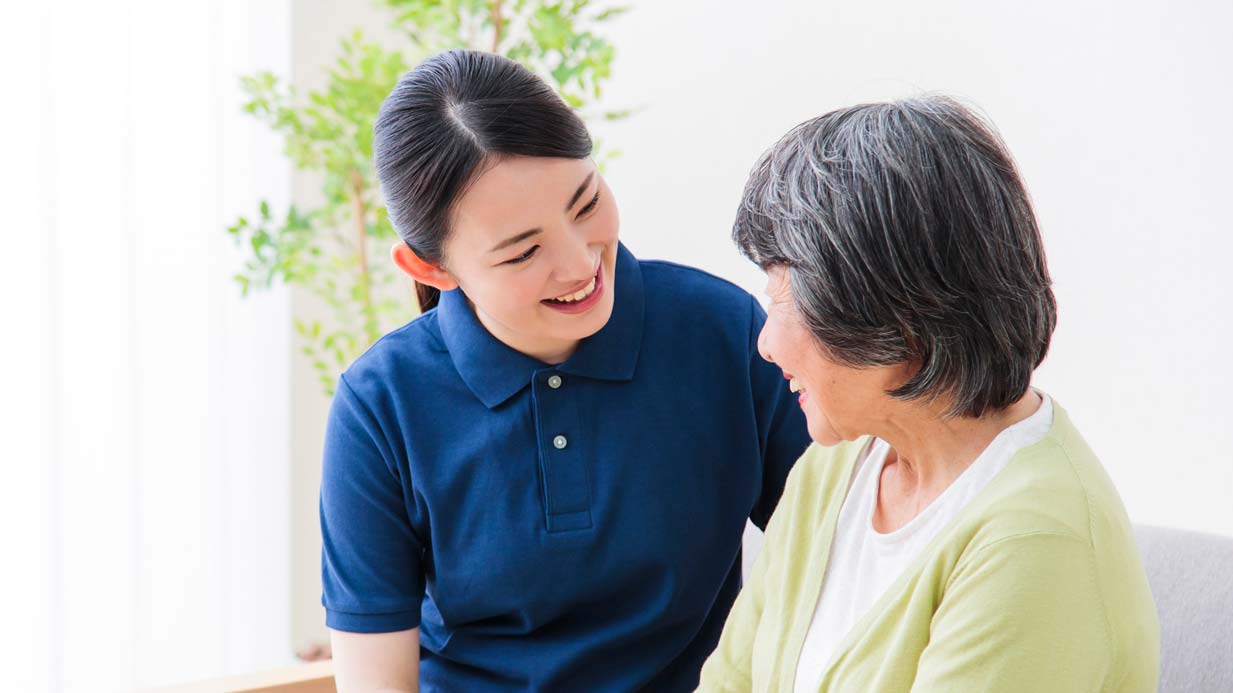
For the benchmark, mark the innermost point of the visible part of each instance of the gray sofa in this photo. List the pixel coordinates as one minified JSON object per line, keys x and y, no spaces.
{"x":1191,"y":575}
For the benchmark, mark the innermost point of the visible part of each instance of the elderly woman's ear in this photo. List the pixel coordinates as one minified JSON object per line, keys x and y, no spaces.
{"x":904,"y":373}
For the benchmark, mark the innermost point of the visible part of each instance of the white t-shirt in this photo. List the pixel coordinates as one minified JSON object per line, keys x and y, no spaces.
{"x":864,"y":562}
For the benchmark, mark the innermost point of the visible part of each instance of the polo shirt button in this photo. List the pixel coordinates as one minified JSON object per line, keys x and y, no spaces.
{"x":560,"y":442}
{"x":554,"y":381}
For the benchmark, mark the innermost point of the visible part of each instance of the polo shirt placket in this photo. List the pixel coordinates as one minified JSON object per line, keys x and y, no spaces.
{"x":563,"y":466}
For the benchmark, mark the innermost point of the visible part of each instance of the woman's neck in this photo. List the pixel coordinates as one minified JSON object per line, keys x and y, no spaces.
{"x":929,"y":451}
{"x":547,"y":350}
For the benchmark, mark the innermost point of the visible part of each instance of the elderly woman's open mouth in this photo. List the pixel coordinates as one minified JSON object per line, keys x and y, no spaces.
{"x":797,"y":387}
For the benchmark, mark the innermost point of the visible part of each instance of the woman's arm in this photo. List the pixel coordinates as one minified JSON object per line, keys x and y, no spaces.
{"x":1021,"y":614}
{"x":376,"y":662}
{"x":372,"y":580}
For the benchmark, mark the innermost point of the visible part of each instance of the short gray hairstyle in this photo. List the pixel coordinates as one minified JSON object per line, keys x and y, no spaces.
{"x":908,"y":236}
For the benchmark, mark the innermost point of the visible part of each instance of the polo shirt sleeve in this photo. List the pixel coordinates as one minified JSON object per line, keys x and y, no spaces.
{"x":782,"y":433}
{"x":371,"y":559}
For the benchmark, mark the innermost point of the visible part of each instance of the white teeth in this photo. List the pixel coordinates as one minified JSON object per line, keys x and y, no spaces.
{"x":795,"y":386}
{"x":577,"y":296}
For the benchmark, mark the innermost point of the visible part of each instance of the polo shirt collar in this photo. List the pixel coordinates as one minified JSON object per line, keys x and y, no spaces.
{"x":495,"y":372}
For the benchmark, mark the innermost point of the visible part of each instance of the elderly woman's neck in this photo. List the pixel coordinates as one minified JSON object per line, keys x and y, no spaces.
{"x":930,"y":450}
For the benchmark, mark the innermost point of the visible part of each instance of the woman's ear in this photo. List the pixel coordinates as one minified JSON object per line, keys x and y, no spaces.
{"x":420,"y":270}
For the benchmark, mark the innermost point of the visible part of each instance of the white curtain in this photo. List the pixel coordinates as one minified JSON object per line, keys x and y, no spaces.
{"x":144,"y":496}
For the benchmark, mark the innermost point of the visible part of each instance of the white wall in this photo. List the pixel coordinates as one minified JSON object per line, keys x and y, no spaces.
{"x":1118,"y":113}
{"x":143,"y":507}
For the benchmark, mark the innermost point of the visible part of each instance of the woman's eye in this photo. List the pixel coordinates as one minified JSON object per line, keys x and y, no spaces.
{"x":524,"y":257}
{"x":590,"y":205}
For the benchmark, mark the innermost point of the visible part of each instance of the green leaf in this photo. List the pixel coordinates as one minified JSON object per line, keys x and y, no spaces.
{"x":611,"y":13}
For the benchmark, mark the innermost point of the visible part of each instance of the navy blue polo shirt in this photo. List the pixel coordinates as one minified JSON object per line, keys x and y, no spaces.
{"x":571,"y":527}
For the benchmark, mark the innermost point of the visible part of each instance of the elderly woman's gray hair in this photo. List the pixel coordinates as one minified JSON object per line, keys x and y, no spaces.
{"x":908,"y":238}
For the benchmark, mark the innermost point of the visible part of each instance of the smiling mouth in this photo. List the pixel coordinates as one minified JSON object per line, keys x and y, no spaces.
{"x":793,"y":384}
{"x":582,"y":300}
{"x":581,"y":295}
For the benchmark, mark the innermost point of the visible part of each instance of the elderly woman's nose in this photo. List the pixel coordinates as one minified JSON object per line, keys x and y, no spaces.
{"x":763,"y":343}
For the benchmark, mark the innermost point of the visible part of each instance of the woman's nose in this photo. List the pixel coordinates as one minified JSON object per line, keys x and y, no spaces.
{"x":577,"y":262}
{"x":764,"y":342}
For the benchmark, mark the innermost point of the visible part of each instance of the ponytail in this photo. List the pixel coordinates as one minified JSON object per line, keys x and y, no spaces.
{"x":428,"y":296}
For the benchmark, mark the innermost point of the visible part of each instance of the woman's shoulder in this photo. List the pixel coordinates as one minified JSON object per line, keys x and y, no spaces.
{"x":692,"y":285}
{"x":409,"y":351}
{"x":1055,"y":507}
{"x":1056,"y":498}
{"x":687,"y":305}
{"x":1057,"y":485}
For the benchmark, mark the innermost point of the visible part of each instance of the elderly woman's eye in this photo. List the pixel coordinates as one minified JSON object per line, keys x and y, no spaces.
{"x":524,"y":257}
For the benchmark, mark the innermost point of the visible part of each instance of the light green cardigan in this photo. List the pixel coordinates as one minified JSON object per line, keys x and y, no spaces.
{"x":1036,"y":586}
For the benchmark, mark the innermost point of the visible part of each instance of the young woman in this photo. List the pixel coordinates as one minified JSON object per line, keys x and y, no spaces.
{"x":542,"y":482}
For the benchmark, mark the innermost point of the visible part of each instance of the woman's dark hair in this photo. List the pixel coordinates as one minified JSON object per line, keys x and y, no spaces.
{"x":446,"y":119}
{"x":908,"y":236}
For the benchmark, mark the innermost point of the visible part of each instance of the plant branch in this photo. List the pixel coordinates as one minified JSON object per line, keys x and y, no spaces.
{"x":361,"y":237}
{"x":497,"y":22}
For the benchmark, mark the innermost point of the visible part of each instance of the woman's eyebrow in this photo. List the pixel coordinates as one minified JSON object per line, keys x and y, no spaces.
{"x":581,"y":189}
{"x":518,"y":238}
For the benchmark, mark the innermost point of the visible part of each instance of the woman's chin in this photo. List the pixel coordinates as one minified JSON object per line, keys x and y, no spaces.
{"x":579,"y":327}
{"x":822,"y":433}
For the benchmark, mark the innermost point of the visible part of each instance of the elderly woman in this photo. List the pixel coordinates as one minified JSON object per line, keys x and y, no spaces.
{"x":950,"y":530}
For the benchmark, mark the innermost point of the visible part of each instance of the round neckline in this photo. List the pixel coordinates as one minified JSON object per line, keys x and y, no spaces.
{"x":902,"y":534}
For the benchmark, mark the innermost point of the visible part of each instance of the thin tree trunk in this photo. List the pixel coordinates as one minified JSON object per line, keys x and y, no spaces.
{"x":497,"y":25}
{"x":361,"y":242}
